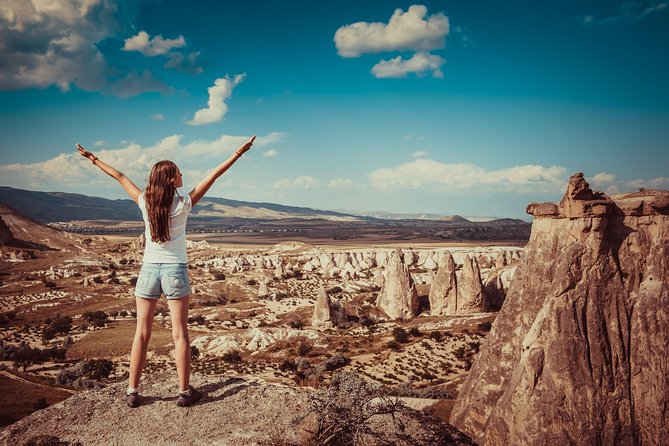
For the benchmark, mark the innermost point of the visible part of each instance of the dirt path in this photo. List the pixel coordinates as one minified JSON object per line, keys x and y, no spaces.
{"x":18,"y":378}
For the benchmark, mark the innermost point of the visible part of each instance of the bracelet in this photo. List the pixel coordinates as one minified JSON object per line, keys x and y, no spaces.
{"x":95,"y":158}
{"x":238,"y":154}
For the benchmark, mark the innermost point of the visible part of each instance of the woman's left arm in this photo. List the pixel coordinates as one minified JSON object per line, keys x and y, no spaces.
{"x":132,"y":190}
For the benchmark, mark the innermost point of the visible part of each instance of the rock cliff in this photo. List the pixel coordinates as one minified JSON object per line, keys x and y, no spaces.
{"x":578,"y":353}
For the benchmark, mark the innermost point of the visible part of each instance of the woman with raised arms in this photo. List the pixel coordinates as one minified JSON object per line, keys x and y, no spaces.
{"x":164,"y":265}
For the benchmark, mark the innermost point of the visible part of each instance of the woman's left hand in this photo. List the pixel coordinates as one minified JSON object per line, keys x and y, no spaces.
{"x":246,"y":147}
{"x":85,"y":153}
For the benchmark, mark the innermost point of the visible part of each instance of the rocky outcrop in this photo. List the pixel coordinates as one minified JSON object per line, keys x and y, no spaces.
{"x":443,"y":291}
{"x":240,"y":411}
{"x":578,"y":353}
{"x":398,"y":297}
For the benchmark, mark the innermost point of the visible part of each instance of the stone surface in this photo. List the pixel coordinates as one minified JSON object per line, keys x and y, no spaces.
{"x":578,"y":353}
{"x":398,"y":297}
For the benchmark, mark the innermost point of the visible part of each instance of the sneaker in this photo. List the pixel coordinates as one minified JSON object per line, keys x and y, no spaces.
{"x":185,"y":400}
{"x":132,"y":399}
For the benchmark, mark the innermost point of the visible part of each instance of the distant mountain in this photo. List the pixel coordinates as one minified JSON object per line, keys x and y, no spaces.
{"x":49,"y":207}
{"x":408,"y":216}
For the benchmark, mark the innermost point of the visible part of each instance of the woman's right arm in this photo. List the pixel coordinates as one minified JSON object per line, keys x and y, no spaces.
{"x":204,"y":185}
{"x":132,"y":190}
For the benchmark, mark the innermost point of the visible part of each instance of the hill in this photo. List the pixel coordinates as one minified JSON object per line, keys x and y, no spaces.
{"x":48,"y":207}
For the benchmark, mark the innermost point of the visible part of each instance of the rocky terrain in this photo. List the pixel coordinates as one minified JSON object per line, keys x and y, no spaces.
{"x":240,"y":411}
{"x":578,"y":352}
{"x":293,"y":314}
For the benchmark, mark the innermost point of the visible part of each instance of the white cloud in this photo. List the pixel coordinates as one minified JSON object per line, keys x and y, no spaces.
{"x":100,"y":143}
{"x":340,"y":182}
{"x":54,"y":43}
{"x":70,"y":171}
{"x":411,"y":30}
{"x":421,"y":154}
{"x":651,"y":183}
{"x":151,"y":47}
{"x":419,"y":64}
{"x":158,"y":117}
{"x":216,"y":106}
{"x":465,"y":177}
{"x":603,"y":179}
{"x":270,"y":153}
{"x":301,"y":182}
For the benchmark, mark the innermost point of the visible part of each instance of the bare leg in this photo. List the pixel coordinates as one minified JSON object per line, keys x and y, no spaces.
{"x":146,"y":308}
{"x":179,"y":316}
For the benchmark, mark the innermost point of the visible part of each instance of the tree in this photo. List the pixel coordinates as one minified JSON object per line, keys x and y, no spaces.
{"x":25,"y":356}
{"x":344,"y":409}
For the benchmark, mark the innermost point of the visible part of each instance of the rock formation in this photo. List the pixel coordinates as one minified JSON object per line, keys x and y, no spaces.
{"x":398,"y":297}
{"x":262,"y":289}
{"x":326,"y":313}
{"x":470,"y":288}
{"x":578,"y":353}
{"x":443,"y":291}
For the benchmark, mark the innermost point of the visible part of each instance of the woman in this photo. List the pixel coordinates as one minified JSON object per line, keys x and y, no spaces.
{"x":164,"y":265}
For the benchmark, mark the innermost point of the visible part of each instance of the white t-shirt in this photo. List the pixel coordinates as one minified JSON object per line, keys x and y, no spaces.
{"x":173,"y":250}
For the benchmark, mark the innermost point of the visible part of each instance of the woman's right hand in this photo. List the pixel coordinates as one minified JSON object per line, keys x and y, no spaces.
{"x":246,"y":146}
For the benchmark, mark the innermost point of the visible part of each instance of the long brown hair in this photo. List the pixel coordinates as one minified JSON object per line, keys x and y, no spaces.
{"x":159,"y":195}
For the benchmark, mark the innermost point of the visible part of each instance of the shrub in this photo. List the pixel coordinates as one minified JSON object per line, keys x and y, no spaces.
{"x":252,"y":282}
{"x":415,"y":332}
{"x":336,"y":362}
{"x":296,"y":323}
{"x":40,"y":404}
{"x":199,"y":320}
{"x":436,"y":336}
{"x":85,"y":374}
{"x":288,"y":365}
{"x":219,"y":276}
{"x":233,"y":356}
{"x":96,"y":318}
{"x":304,"y":348}
{"x":400,"y":335}
{"x":49,"y":440}
{"x":194,"y":352}
{"x":394,"y":345}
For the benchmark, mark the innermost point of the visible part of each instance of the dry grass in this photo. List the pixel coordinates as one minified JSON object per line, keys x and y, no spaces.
{"x":116,"y":341}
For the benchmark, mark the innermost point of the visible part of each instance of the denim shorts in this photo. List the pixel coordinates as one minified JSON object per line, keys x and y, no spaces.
{"x":170,"y":279}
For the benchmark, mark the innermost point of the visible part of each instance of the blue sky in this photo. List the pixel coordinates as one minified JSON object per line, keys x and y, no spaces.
{"x":449,"y":107}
